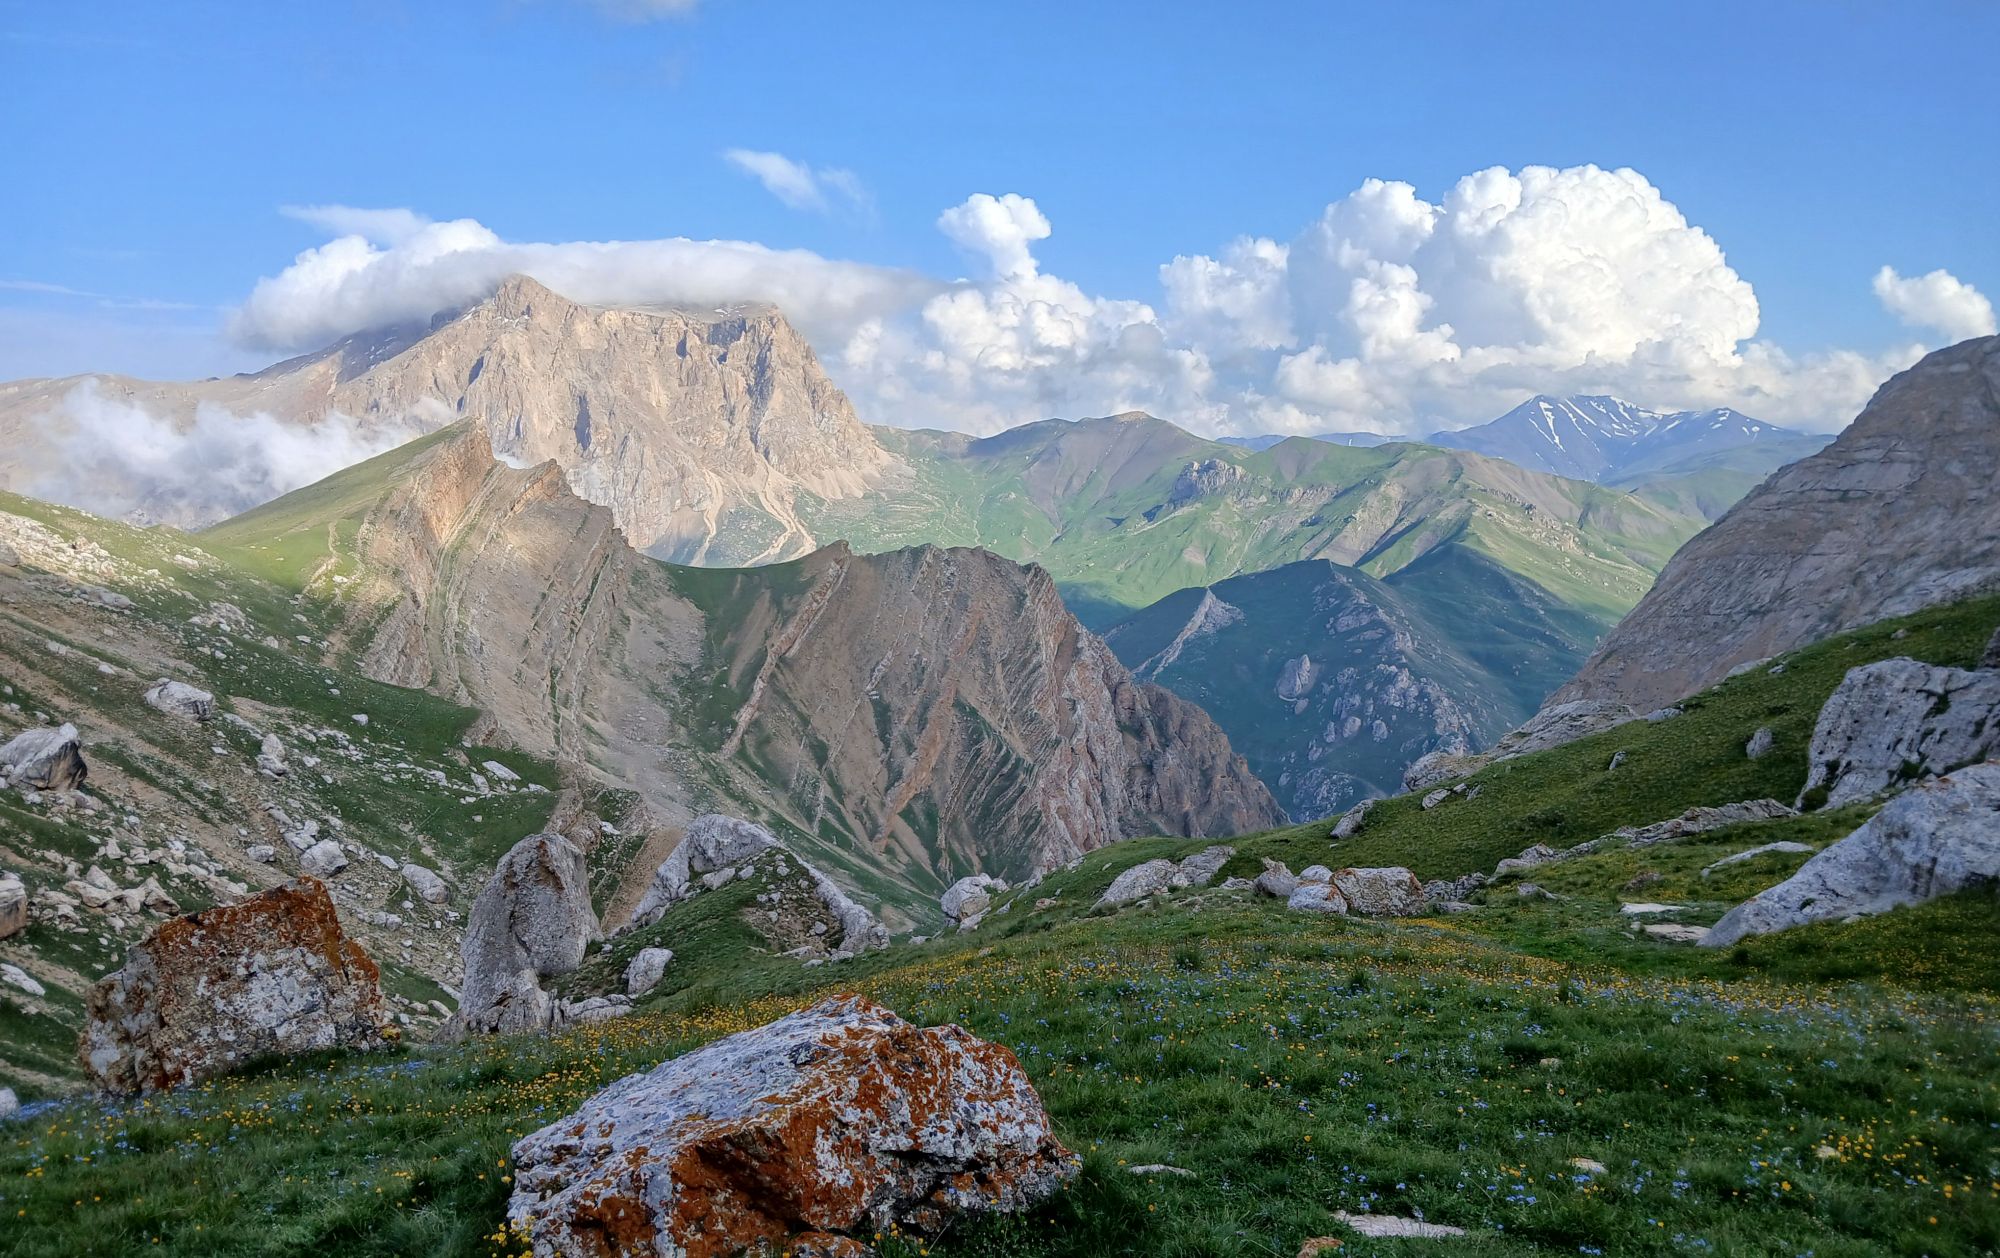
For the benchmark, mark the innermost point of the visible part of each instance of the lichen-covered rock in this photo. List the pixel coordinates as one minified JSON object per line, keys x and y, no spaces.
{"x":1896,"y":719}
{"x":647,"y":967}
{"x":1387,"y":891}
{"x":13,"y":905}
{"x":532,"y":920}
{"x":839,"y":1118}
{"x":177,"y":698}
{"x":1316,"y":897}
{"x":1937,"y":838}
{"x":45,"y":759}
{"x":212,"y":990}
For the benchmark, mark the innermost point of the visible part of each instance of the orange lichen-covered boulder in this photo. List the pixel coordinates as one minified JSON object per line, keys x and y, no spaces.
{"x":212,"y":990}
{"x":837,"y":1118}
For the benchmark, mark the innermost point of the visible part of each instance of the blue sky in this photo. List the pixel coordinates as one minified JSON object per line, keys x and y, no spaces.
{"x":151,"y":147}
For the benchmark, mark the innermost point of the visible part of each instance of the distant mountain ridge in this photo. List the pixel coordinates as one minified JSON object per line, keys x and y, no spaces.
{"x":1606,"y":439}
{"x":1899,"y":513}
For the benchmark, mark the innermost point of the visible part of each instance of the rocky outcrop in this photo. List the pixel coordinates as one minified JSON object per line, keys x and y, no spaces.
{"x":1697,"y":820}
{"x":1390,"y":891}
{"x":838,"y":1119}
{"x":208,"y":992}
{"x":1901,"y":512}
{"x":46,"y":759}
{"x":804,"y":910}
{"x":1898,"y":719}
{"x":1940,"y":837}
{"x":533,"y":920}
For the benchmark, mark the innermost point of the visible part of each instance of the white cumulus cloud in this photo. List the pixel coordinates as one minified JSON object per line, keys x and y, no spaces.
{"x":1939,"y":301}
{"x":798,"y":185}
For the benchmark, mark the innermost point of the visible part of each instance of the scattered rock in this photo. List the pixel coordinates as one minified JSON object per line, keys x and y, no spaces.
{"x":1700,"y":820}
{"x":1389,"y":1225}
{"x":1589,"y":1166}
{"x":591,"y":1009}
{"x":1141,"y":880}
{"x":1662,"y":714}
{"x":1561,"y":723}
{"x":207,"y":992}
{"x":1435,"y":798}
{"x":647,"y":967}
{"x":1154,"y":876}
{"x":1646,"y":908}
{"x":968,"y":900}
{"x":13,"y":905}
{"x":262,"y":853}
{"x":1455,"y":890}
{"x":1760,"y":742}
{"x":1617,"y":758}
{"x":1939,"y":837}
{"x":271,"y":757}
{"x":1897,"y":719}
{"x":1351,"y":821}
{"x":1437,"y":767}
{"x":1533,"y":891}
{"x":1673,"y":932}
{"x":45,"y":759}
{"x":1276,"y":881}
{"x":532,"y":921}
{"x":499,"y":772}
{"x":1316,"y":897}
{"x":20,"y":980}
{"x":430,"y":888}
{"x":10,"y":1104}
{"x":177,"y":698}
{"x":1645,"y":878}
{"x":1389,"y":891}
{"x":360,"y":718}
{"x":1315,"y":873}
{"x":1738,"y":858}
{"x":841,"y":1117}
{"x":1158,"y":1168}
{"x":323,"y":859}
{"x":1530,"y":858}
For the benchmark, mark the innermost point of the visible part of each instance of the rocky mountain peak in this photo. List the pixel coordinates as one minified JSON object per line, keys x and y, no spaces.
{"x":1902,"y":511}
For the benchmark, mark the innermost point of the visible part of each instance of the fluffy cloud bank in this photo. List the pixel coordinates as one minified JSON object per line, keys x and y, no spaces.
{"x":1388,"y":311}
{"x":114,"y":457}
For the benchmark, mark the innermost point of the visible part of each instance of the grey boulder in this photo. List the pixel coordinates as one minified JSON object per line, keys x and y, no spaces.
{"x":177,"y":698}
{"x":45,"y":759}
{"x":1939,"y":837}
{"x":1896,"y":718}
{"x":533,"y":920}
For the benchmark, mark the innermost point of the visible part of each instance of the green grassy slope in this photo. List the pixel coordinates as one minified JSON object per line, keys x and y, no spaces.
{"x":1103,"y":506}
{"x":1826,"y":1091}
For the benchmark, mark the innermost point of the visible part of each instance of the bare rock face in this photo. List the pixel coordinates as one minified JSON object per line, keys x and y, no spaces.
{"x":1940,"y":837}
{"x":1896,"y":719}
{"x":837,"y":1119}
{"x":1901,"y":512}
{"x":207,"y":992}
{"x":1390,"y":891}
{"x":46,"y":759}
{"x":533,"y":920}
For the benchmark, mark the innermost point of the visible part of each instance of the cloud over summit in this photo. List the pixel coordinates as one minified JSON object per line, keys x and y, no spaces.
{"x":1389,"y":310}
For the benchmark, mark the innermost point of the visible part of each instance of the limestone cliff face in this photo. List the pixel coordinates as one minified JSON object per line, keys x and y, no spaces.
{"x":696,"y":428}
{"x":1899,"y":513}
{"x":908,"y":717}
